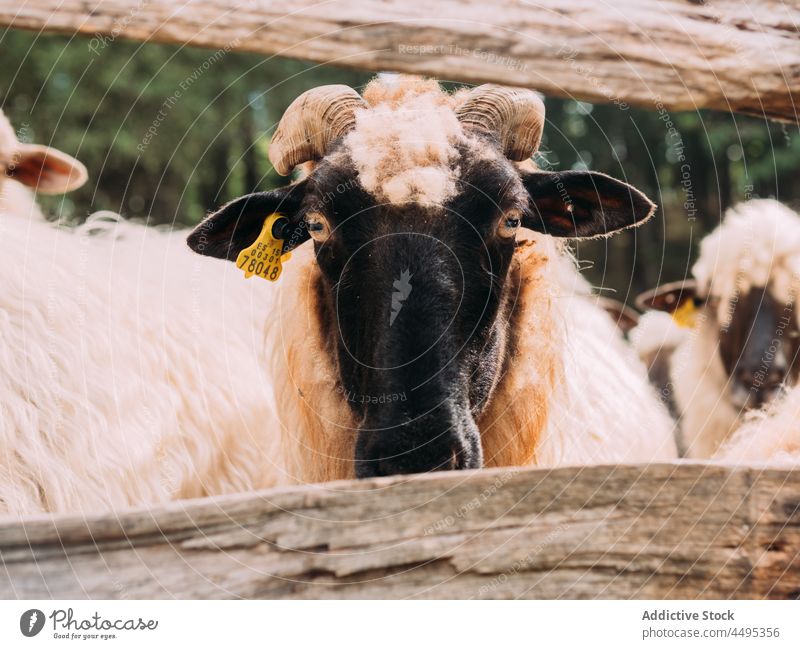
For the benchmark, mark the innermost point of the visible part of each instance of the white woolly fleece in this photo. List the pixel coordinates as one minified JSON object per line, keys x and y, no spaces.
{"x":655,"y":331}
{"x":701,"y":391}
{"x":8,"y":139}
{"x":603,"y":408}
{"x":757,"y":244}
{"x":131,"y":370}
{"x":18,"y":201}
{"x":771,"y":437}
{"x":403,"y":145}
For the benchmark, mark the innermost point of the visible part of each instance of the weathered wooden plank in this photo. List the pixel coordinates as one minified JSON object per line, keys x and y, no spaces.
{"x":673,"y":530}
{"x":680,"y":54}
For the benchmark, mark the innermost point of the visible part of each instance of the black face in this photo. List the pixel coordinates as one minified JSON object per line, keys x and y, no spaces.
{"x":415,"y":300}
{"x":759,"y":348}
{"x":410,"y":297}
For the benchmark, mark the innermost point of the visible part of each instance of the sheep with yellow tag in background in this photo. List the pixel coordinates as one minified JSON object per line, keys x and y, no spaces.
{"x":733,"y":339}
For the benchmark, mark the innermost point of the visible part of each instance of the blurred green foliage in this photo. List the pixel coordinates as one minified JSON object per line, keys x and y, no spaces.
{"x":168,"y":133}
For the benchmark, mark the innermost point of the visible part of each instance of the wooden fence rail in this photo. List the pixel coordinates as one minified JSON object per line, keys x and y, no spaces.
{"x":659,"y":531}
{"x":679,"y":54}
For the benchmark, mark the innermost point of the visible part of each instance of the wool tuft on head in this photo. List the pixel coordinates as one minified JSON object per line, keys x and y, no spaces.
{"x":406,"y":136}
{"x":404,"y":144}
{"x":757,"y":245}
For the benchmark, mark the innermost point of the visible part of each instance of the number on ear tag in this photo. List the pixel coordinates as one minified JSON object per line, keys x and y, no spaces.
{"x":265,"y":256}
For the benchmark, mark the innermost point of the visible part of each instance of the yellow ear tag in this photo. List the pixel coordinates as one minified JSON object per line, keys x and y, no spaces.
{"x":685,"y":315}
{"x":265,"y":256}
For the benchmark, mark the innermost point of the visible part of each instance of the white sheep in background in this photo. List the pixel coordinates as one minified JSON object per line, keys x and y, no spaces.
{"x":130,"y":368}
{"x":133,"y":371}
{"x":742,"y":348}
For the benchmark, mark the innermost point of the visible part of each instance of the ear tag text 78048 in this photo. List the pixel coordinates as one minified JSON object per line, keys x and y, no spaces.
{"x":265,"y":256}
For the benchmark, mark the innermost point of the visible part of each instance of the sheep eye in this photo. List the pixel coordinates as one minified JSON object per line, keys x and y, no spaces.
{"x":317,"y":226}
{"x":509,"y":224}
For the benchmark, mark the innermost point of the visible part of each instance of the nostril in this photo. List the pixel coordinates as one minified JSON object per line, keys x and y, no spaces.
{"x":385,"y":468}
{"x":368,"y":469}
{"x":418,"y":460}
{"x":448,"y":463}
{"x":417,"y":449}
{"x":414,"y":462}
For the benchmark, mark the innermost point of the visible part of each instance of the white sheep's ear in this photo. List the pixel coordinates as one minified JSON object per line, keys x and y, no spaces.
{"x":46,"y":170}
{"x":582,"y":204}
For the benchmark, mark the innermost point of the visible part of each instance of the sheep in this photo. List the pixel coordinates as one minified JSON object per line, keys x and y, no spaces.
{"x":133,"y":371}
{"x":43,"y":168}
{"x":741,"y":337}
{"x":130,"y":373}
{"x":130,"y":368}
{"x":437,"y":320}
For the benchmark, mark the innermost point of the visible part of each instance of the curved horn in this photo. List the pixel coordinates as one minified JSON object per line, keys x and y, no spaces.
{"x":515,"y":115}
{"x":313,"y":120}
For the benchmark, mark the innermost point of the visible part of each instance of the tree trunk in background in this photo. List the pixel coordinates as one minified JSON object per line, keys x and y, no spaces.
{"x":252,"y":177}
{"x":213,"y":187}
{"x":724,"y":176}
{"x":703,"y":178}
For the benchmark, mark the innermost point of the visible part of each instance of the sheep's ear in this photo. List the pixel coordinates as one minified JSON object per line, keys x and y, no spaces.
{"x":237,"y":225}
{"x":582,"y":204}
{"x":667,"y":297}
{"x":46,"y":170}
{"x":624,"y":317}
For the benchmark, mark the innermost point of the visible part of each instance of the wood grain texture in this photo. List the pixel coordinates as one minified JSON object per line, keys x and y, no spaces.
{"x":684,"y":54}
{"x":660,"y":531}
